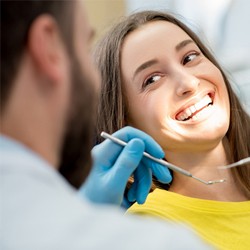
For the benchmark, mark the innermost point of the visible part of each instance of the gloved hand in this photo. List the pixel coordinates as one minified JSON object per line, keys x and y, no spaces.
{"x":114,"y":164}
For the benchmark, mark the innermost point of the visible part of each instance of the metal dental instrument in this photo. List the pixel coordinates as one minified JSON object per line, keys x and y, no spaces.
{"x":162,"y":162}
{"x":236,"y":164}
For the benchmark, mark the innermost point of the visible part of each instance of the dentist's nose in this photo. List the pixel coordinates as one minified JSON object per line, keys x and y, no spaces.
{"x":186,"y":82}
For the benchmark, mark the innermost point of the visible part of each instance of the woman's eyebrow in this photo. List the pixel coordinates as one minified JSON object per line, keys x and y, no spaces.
{"x":145,"y":65}
{"x":149,"y":63}
{"x":182,"y":44}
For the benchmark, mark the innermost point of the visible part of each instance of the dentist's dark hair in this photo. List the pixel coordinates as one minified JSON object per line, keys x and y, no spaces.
{"x":16,"y":20}
{"x":112,"y":113}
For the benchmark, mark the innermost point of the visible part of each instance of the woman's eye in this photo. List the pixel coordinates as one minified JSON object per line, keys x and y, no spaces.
{"x":190,"y":57}
{"x":151,"y":80}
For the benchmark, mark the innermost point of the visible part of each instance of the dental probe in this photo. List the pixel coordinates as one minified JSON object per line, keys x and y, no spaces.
{"x":162,"y":162}
{"x":236,"y":164}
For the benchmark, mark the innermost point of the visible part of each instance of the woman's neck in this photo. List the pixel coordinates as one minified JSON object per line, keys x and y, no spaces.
{"x":205,"y":166}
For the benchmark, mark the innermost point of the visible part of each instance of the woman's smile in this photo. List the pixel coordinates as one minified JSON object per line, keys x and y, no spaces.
{"x":196,"y":110}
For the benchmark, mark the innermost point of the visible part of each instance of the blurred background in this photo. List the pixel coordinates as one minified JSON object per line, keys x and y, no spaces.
{"x":222,"y":24}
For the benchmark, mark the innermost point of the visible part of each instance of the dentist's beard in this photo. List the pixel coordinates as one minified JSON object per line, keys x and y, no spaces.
{"x":76,"y":159}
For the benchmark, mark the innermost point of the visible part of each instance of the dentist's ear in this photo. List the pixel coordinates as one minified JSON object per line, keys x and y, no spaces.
{"x":46,"y":48}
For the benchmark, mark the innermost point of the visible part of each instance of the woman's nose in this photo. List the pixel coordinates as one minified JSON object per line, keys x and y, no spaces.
{"x":186,"y":83}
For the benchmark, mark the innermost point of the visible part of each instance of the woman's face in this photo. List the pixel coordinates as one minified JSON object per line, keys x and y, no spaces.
{"x":174,"y":92}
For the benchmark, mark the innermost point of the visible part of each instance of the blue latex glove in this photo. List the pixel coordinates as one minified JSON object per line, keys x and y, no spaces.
{"x":114,"y":164}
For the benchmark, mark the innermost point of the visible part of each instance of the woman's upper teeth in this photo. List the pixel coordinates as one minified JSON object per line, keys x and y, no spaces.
{"x":190,"y":111}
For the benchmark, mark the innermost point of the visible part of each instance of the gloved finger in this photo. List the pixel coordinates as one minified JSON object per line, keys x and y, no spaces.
{"x":151,"y":146}
{"x":126,"y":203}
{"x":106,"y":153}
{"x":127,"y":162}
{"x":131,"y":195}
{"x":162,"y":173}
{"x":143,"y":178}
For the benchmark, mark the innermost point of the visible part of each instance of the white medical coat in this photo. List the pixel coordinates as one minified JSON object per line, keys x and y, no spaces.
{"x":41,"y":211}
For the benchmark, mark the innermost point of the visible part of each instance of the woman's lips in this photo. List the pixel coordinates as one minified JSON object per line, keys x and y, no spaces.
{"x":192,"y":110}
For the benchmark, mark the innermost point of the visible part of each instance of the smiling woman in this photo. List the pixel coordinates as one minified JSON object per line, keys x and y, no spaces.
{"x":158,"y":77}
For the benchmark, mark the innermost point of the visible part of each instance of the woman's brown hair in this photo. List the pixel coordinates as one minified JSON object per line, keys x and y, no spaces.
{"x":112,"y":107}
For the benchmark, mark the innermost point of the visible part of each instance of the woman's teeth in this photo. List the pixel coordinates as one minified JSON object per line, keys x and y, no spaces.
{"x":194,"y":109}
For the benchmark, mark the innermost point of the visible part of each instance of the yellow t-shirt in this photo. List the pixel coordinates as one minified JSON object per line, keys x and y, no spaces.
{"x":225,"y":225}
